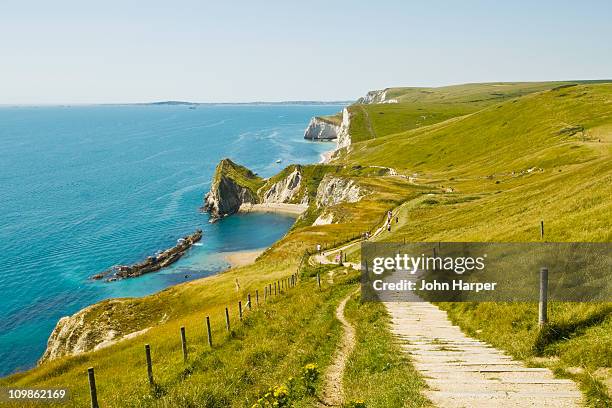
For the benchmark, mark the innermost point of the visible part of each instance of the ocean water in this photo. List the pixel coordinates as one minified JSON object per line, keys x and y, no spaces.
{"x":84,"y":188}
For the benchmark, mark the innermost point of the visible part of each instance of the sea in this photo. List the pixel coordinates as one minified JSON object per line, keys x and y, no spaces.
{"x":83,"y":188}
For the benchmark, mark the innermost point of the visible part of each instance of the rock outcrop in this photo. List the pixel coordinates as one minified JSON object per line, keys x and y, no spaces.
{"x":285,"y":190}
{"x":235,"y":188}
{"x":335,"y":190}
{"x":378,"y":96}
{"x":344,"y":137}
{"x":326,"y":218}
{"x":232,"y":186}
{"x":100,"y":325}
{"x":321,"y":129}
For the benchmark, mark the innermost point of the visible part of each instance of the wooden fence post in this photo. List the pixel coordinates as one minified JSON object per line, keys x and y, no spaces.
{"x":257,"y":297}
{"x":92,"y":388}
{"x":249,"y":302}
{"x":227,"y":320}
{"x":149,"y":364}
{"x":265,"y":293}
{"x":542,"y":230}
{"x":184,"y":343}
{"x":240,"y":309}
{"x":542,"y":315}
{"x":274,"y":288}
{"x":208,"y":331}
{"x":319,"y":280}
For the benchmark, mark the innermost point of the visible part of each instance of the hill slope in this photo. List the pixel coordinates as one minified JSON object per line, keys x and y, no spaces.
{"x":480,"y":170}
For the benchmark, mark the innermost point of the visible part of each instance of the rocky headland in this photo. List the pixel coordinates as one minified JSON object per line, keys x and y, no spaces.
{"x":152,"y":263}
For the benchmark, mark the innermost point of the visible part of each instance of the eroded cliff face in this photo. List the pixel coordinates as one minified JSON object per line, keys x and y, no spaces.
{"x":227,"y":197}
{"x":377,"y":96}
{"x":335,"y":190}
{"x":344,"y":137}
{"x":321,"y":130}
{"x":286,"y":190}
{"x":233,"y":185}
{"x":100,"y":325}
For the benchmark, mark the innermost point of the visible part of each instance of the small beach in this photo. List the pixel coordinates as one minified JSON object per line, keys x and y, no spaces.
{"x":242,"y":258}
{"x":281,"y":208}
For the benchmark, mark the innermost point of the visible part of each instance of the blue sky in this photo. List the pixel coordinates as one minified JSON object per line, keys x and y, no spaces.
{"x":134,"y":51}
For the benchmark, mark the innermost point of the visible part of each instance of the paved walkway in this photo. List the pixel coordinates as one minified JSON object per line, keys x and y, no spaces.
{"x":464,"y":372}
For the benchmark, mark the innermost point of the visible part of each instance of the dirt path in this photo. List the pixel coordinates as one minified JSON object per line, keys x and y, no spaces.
{"x":333,"y":392}
{"x":464,"y":372}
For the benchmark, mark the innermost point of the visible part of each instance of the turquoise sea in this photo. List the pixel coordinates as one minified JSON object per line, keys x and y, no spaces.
{"x":87,"y":187}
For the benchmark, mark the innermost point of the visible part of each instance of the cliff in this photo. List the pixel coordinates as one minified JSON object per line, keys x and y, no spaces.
{"x":286,"y":187}
{"x":232,"y":186}
{"x":322,"y":128}
{"x":378,"y":96}
{"x":334,"y":190}
{"x":344,"y":137}
{"x":101,"y":325}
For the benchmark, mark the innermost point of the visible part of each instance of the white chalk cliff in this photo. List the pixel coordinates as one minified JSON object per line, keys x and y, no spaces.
{"x":321,"y":130}
{"x":344,"y":137}
{"x":378,"y":96}
{"x":286,"y":190}
{"x":335,"y":190}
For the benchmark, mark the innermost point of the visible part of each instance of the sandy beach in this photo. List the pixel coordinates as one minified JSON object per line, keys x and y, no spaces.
{"x":326,"y":157}
{"x":242,"y":258}
{"x":296,"y":209}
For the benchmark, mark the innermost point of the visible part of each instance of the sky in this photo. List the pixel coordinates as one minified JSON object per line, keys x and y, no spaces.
{"x":241,"y":51}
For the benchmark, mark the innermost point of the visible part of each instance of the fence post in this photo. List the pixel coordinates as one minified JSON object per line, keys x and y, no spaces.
{"x":319,"y":280}
{"x":227,"y":320}
{"x":257,"y":297}
{"x":542,"y":230}
{"x":274,"y":288}
{"x":249,"y":302}
{"x":240,"y":309}
{"x":208,"y":331}
{"x":92,"y":388}
{"x":184,"y":343}
{"x":542,"y":315}
{"x":266,"y":293}
{"x":149,"y":364}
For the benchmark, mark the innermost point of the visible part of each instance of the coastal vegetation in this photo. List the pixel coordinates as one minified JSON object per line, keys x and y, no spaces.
{"x":477,"y":162}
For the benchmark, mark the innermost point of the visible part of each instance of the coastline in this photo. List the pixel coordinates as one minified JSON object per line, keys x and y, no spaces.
{"x":234,"y":259}
{"x":327,"y":156}
{"x":242,"y":258}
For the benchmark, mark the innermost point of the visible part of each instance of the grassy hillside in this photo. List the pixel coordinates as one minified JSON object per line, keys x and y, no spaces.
{"x":478,"y":167}
{"x":496,"y":174}
{"x":420,"y":107}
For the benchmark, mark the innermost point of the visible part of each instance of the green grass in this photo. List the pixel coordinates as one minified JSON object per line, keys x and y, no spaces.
{"x":239,"y":174}
{"x":421,"y":107}
{"x":270,"y":346}
{"x":332,"y":119}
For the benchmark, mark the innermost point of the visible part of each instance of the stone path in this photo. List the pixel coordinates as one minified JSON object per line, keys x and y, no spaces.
{"x":464,"y":372}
